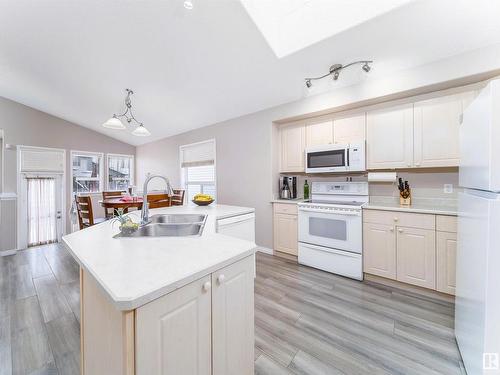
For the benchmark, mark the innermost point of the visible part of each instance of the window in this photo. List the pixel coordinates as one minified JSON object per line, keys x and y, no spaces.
{"x":120,"y":171}
{"x":86,"y":172}
{"x":198,"y":168}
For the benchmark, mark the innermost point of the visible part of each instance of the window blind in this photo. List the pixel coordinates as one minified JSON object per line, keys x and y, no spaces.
{"x":198,"y":154}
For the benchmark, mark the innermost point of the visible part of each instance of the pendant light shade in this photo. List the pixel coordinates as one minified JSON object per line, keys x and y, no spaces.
{"x":114,"y":123}
{"x":141,"y":131}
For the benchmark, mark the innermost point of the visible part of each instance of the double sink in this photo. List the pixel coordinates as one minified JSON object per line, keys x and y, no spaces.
{"x":170,"y":225}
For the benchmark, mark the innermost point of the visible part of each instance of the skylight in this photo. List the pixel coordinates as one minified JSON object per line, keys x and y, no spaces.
{"x":291,"y":25}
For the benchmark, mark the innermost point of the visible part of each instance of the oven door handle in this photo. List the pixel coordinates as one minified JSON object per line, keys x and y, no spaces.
{"x":342,"y":213}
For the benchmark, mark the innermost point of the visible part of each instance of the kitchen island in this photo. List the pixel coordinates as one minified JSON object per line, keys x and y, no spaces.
{"x":170,"y":305}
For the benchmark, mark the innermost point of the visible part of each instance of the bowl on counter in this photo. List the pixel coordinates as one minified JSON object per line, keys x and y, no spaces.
{"x":202,"y":203}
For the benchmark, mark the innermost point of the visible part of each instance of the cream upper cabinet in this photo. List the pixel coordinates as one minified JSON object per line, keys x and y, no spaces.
{"x":173,"y":333}
{"x":293,"y":143}
{"x":446,"y":246}
{"x":389,"y":137}
{"x":319,"y":133}
{"x":233,"y":316}
{"x":379,"y":250}
{"x":416,"y":256}
{"x":349,"y":129}
{"x":436,"y":130}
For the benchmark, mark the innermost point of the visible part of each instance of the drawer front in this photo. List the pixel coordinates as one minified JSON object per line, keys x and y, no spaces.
{"x":285,"y":208}
{"x":446,"y":223}
{"x":404,"y":219}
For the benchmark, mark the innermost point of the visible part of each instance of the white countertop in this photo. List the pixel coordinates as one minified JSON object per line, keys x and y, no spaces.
{"x":135,"y":271}
{"x":429,"y":206}
{"x":288,"y":201}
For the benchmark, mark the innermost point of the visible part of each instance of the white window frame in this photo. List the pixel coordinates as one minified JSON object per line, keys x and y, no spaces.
{"x":101,"y":169}
{"x":132,"y":168}
{"x":183,"y":173}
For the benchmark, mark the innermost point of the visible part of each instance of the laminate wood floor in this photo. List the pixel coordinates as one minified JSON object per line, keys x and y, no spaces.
{"x":306,"y":321}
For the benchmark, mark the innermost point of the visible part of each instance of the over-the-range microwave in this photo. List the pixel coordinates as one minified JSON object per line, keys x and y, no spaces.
{"x":336,"y":158}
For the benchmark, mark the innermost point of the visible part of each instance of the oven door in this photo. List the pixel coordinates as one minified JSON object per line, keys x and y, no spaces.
{"x":327,"y":160}
{"x":342,"y":231}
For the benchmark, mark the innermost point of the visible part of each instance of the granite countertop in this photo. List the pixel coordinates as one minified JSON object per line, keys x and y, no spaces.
{"x":135,"y":271}
{"x":423,"y":206}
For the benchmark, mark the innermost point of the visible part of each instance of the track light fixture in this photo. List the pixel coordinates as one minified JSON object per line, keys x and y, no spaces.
{"x":335,"y":70}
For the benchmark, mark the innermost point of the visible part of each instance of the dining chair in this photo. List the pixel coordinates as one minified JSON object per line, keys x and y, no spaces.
{"x":85,"y":213}
{"x":110,"y":212}
{"x":178,"y":197}
{"x":159,"y":200}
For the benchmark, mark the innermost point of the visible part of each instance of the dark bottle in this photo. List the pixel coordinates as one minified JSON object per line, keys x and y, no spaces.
{"x":306,"y":190}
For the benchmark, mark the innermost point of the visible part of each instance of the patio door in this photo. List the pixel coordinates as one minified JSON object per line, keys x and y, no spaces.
{"x":44,"y":211}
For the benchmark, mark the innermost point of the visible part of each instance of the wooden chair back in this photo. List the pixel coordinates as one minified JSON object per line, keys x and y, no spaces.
{"x":178,"y":197}
{"x":159,"y":200}
{"x":84,"y":210}
{"x":109,"y":212}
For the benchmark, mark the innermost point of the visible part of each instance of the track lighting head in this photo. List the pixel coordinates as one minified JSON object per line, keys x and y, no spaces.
{"x":335,"y":70}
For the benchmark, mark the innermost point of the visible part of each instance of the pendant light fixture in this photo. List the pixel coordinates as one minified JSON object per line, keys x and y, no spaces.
{"x":116,"y":124}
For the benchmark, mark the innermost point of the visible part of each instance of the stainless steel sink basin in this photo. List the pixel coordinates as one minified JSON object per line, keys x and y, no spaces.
{"x":173,"y":225}
{"x":177,"y":218}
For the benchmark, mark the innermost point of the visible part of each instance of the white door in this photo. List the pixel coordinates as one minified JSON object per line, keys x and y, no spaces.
{"x":477,"y":306}
{"x":319,"y":133}
{"x":41,"y":209}
{"x":389,"y":137}
{"x":293,"y":143}
{"x":336,"y":231}
{"x":416,"y":256}
{"x":173,"y":333}
{"x":379,"y":250}
{"x":233,"y":319}
{"x":436,"y":131}
{"x":349,"y":129}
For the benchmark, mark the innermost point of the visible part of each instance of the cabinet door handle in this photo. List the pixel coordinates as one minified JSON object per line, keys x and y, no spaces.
{"x":396,"y":219}
{"x":392,"y":229}
{"x":400,"y":230}
{"x":221,"y":279}
{"x":417,"y":164}
{"x":207,"y":286}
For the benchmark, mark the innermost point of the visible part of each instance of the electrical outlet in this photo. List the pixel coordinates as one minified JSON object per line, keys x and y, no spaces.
{"x":448,"y":188}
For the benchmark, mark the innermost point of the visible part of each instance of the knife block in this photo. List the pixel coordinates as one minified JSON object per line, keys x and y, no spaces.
{"x":405,"y":201}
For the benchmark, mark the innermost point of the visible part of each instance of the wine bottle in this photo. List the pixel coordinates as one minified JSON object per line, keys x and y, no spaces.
{"x":306,"y":190}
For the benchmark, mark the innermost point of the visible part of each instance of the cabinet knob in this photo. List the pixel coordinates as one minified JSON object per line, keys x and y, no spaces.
{"x":221,"y":278}
{"x":400,"y":230}
{"x":207,"y":286}
{"x":417,"y":164}
{"x":392,"y":229}
{"x":396,"y":219}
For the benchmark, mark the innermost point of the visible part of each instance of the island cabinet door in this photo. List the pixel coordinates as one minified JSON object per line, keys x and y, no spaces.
{"x":173,"y":333}
{"x":233,"y":319}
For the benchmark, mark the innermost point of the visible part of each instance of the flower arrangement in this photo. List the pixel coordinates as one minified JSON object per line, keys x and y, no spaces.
{"x":127,"y":226}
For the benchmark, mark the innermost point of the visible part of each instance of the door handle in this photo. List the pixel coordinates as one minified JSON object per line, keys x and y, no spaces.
{"x":400,"y":230}
{"x":392,"y":229}
{"x":221,"y":279}
{"x":207,"y":286}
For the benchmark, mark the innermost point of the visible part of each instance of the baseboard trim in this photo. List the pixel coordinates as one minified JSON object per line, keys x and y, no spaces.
{"x":286,"y":256}
{"x":408,"y":287}
{"x":264,"y":250}
{"x":4,"y":253}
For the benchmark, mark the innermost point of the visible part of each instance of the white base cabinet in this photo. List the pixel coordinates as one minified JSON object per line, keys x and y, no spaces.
{"x":417,"y":249}
{"x":285,"y":228}
{"x":203,"y":328}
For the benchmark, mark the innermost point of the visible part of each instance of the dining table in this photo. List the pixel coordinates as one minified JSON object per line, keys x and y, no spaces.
{"x":125,"y":203}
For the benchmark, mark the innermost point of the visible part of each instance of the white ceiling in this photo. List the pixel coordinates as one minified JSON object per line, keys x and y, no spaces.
{"x":188,"y":69}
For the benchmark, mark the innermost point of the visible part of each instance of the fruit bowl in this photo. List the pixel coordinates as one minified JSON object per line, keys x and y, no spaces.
{"x":202,"y":203}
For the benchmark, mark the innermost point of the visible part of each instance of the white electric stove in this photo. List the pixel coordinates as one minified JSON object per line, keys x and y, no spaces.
{"x":330,"y":228}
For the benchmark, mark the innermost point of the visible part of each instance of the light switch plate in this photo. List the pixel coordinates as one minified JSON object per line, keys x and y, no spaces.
{"x":448,"y":188}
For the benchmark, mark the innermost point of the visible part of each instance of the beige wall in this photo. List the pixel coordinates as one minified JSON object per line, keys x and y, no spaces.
{"x":247,"y":154}
{"x":26,"y":126}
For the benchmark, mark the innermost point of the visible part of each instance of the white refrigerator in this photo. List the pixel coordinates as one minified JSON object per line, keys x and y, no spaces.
{"x":477,"y":305}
